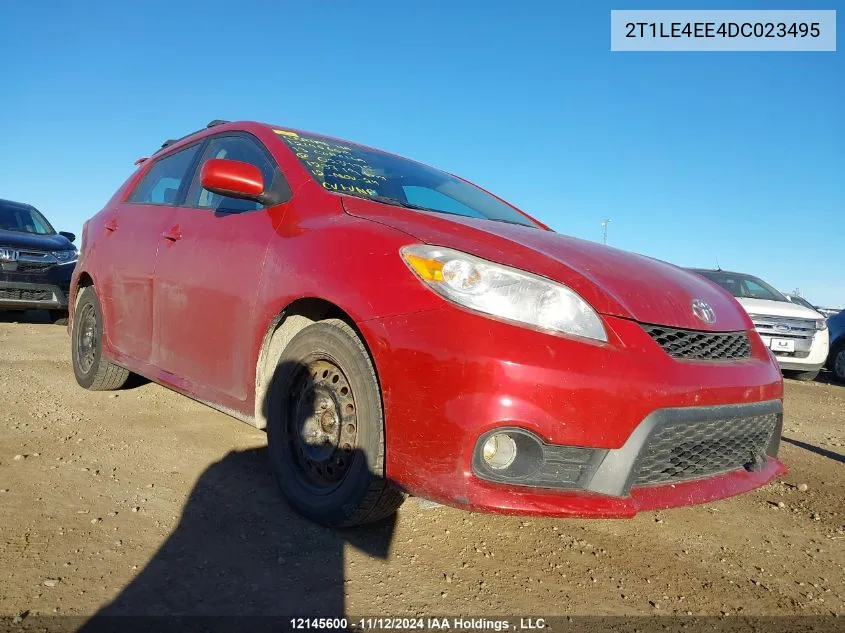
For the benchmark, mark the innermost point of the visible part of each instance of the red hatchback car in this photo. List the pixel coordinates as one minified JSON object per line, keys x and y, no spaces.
{"x":398,"y":330}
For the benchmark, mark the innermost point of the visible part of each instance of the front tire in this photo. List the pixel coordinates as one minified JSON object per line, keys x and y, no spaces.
{"x":803,"y":376}
{"x":92,"y":370}
{"x":325,"y":429}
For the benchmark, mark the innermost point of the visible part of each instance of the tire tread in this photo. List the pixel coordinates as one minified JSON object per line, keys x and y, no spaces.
{"x":108,"y":377}
{"x":382,"y":499}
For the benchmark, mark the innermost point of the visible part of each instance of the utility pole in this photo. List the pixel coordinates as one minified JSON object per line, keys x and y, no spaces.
{"x":604,"y":224}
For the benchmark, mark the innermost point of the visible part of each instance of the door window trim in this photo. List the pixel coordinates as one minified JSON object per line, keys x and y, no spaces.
{"x":182,"y":192}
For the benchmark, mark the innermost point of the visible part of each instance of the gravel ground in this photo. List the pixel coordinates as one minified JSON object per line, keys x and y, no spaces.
{"x":143,"y":501}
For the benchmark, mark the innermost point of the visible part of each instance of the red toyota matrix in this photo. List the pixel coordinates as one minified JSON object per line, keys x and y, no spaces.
{"x":398,"y":330}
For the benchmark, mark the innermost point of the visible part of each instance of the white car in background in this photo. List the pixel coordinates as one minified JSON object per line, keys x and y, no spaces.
{"x":797,"y":335}
{"x":801,"y":301}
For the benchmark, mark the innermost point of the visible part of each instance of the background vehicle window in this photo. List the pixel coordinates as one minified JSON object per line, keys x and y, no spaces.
{"x":23,"y":219}
{"x":233,"y":148}
{"x":756,"y":291}
{"x":745,"y":286}
{"x":160,"y":185}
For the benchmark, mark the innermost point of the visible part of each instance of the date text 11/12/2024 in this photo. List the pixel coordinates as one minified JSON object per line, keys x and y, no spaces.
{"x":418,"y":624}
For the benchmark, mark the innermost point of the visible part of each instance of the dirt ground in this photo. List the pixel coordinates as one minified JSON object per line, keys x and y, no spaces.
{"x":143,"y":501}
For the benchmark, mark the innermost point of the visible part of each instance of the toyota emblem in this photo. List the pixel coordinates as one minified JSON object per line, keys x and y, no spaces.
{"x":703,"y":311}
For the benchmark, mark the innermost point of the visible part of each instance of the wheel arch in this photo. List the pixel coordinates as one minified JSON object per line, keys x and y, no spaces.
{"x":79,"y":281}
{"x":294,"y":317}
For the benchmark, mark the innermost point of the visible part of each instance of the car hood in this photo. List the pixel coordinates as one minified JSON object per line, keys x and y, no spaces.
{"x":30,"y":241}
{"x":613,"y":281}
{"x":778,"y":308}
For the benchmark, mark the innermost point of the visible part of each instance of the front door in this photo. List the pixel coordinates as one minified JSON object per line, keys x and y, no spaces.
{"x":207,"y":279}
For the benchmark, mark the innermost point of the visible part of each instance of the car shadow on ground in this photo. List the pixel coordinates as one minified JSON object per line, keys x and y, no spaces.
{"x":25,"y":316}
{"x":827,"y":378}
{"x":837,"y":457}
{"x":239,"y":550}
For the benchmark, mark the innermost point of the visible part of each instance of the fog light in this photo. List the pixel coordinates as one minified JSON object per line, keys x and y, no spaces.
{"x":499,"y":451}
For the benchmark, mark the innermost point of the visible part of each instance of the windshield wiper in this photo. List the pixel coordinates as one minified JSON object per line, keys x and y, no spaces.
{"x":388,"y":200}
{"x":410,"y":205}
{"x":530,"y":226}
{"x":400,"y":203}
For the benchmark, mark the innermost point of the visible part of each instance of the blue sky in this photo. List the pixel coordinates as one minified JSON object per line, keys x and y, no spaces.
{"x":695,"y":157}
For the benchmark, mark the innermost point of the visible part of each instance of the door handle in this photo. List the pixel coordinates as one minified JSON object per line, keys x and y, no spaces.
{"x":173,"y":234}
{"x":110,"y":226}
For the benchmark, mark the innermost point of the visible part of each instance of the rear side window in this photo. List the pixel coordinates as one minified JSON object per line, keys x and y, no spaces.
{"x":241,"y":148}
{"x":161,"y":183}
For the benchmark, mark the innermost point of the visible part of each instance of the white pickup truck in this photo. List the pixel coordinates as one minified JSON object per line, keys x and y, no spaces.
{"x":797,"y":335}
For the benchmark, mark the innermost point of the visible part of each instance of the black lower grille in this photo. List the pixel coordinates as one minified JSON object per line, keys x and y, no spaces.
{"x":689,"y":450}
{"x":32,"y":267}
{"x":698,"y":345}
{"x":25,"y":294}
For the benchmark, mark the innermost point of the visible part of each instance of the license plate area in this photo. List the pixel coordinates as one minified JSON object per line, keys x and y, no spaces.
{"x":779,"y":344}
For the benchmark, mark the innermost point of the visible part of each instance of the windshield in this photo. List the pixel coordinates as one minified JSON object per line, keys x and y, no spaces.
{"x":358,"y":171}
{"x":744,"y":286}
{"x":23,"y":218}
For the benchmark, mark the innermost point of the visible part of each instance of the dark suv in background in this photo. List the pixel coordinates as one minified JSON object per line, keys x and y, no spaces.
{"x":36,"y":262}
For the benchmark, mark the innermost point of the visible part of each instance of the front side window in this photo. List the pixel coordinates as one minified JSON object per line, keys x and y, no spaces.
{"x":161,"y":183}
{"x":22,"y":218}
{"x":745,"y":286}
{"x":239,"y":148}
{"x":367,"y":173}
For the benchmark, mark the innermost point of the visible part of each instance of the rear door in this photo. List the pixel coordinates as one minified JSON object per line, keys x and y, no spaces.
{"x":126,"y":251}
{"x":207,"y":278}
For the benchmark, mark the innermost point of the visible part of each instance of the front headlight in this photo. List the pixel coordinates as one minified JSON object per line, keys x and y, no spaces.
{"x":503,"y":292}
{"x":65,"y":257}
{"x":821,"y":324}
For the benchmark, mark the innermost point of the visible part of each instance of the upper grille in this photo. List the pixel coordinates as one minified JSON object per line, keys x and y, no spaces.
{"x":698,"y":345}
{"x":689,"y":450}
{"x":785,"y":327}
{"x":26,"y":294}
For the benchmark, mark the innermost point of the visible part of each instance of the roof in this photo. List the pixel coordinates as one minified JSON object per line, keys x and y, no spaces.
{"x":271,"y":126}
{"x":171,"y":141}
{"x":12,"y":203}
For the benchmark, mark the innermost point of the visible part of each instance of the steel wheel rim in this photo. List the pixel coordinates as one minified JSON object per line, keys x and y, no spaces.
{"x":839,"y":364}
{"x":87,"y":340}
{"x":322,"y":425}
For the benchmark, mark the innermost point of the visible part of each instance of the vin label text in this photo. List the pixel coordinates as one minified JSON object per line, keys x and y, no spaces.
{"x":723,"y":30}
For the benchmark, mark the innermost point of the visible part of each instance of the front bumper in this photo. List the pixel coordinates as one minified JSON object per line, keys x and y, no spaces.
{"x":811,"y":361}
{"x":47,"y":290}
{"x":449,"y":377}
{"x":810,"y":353}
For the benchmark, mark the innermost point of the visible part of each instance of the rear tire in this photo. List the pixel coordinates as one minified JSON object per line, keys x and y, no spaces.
{"x":93,"y":371}
{"x":325,"y":429}
{"x":803,"y":376}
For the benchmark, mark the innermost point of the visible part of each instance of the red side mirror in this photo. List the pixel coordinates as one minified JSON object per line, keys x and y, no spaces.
{"x":232,"y":178}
